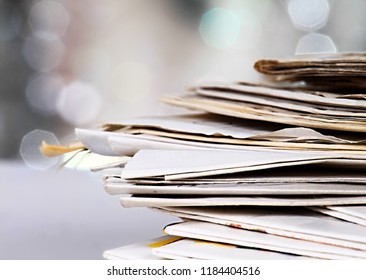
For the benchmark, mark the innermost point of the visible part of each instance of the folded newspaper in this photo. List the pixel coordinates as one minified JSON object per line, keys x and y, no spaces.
{"x":335,"y":72}
{"x":274,"y":170}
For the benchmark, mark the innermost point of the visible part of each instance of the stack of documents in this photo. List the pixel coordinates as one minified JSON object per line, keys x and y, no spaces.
{"x":275,"y":170}
{"x":334,"y":72}
{"x":314,"y":109}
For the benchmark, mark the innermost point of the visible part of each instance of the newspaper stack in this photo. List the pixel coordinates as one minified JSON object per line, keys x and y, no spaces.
{"x":273,"y":170}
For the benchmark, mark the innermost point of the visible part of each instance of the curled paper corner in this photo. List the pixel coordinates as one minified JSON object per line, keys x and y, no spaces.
{"x":57,"y":150}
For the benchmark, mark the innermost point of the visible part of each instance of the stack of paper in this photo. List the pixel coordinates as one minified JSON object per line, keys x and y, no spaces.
{"x":264,"y":172}
{"x":334,"y":72}
{"x":285,"y":106}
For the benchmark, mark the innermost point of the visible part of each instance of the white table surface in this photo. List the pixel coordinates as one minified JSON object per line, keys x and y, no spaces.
{"x":66,"y":215}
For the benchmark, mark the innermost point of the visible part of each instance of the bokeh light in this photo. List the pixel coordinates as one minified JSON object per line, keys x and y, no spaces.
{"x":43,"y":55}
{"x":48,"y":20}
{"x":79,"y":103}
{"x":220,"y":28}
{"x":250,"y":13}
{"x":251,"y":30}
{"x":133,"y":52}
{"x":103,"y":15}
{"x":313,"y":43}
{"x":308,"y":15}
{"x":30,"y":152}
{"x":42,"y":92}
{"x":92,"y":65}
{"x":131,"y":82}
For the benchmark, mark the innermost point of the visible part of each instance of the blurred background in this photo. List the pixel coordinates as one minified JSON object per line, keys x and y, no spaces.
{"x":67,"y":64}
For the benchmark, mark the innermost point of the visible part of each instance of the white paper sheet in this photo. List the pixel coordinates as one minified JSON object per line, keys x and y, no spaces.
{"x":357,"y":211}
{"x":285,"y":104}
{"x":255,"y":239}
{"x":96,"y":141}
{"x":275,"y":176}
{"x":294,"y":223}
{"x":203,"y":250}
{"x":116,"y":186}
{"x":150,"y":201}
{"x":340,"y":215}
{"x":206,"y":124}
{"x":138,"y":251}
{"x":126,"y":144}
{"x":267,"y":113}
{"x":216,"y":125}
{"x":235,"y":136}
{"x":323,"y":98}
{"x":195,"y":163}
